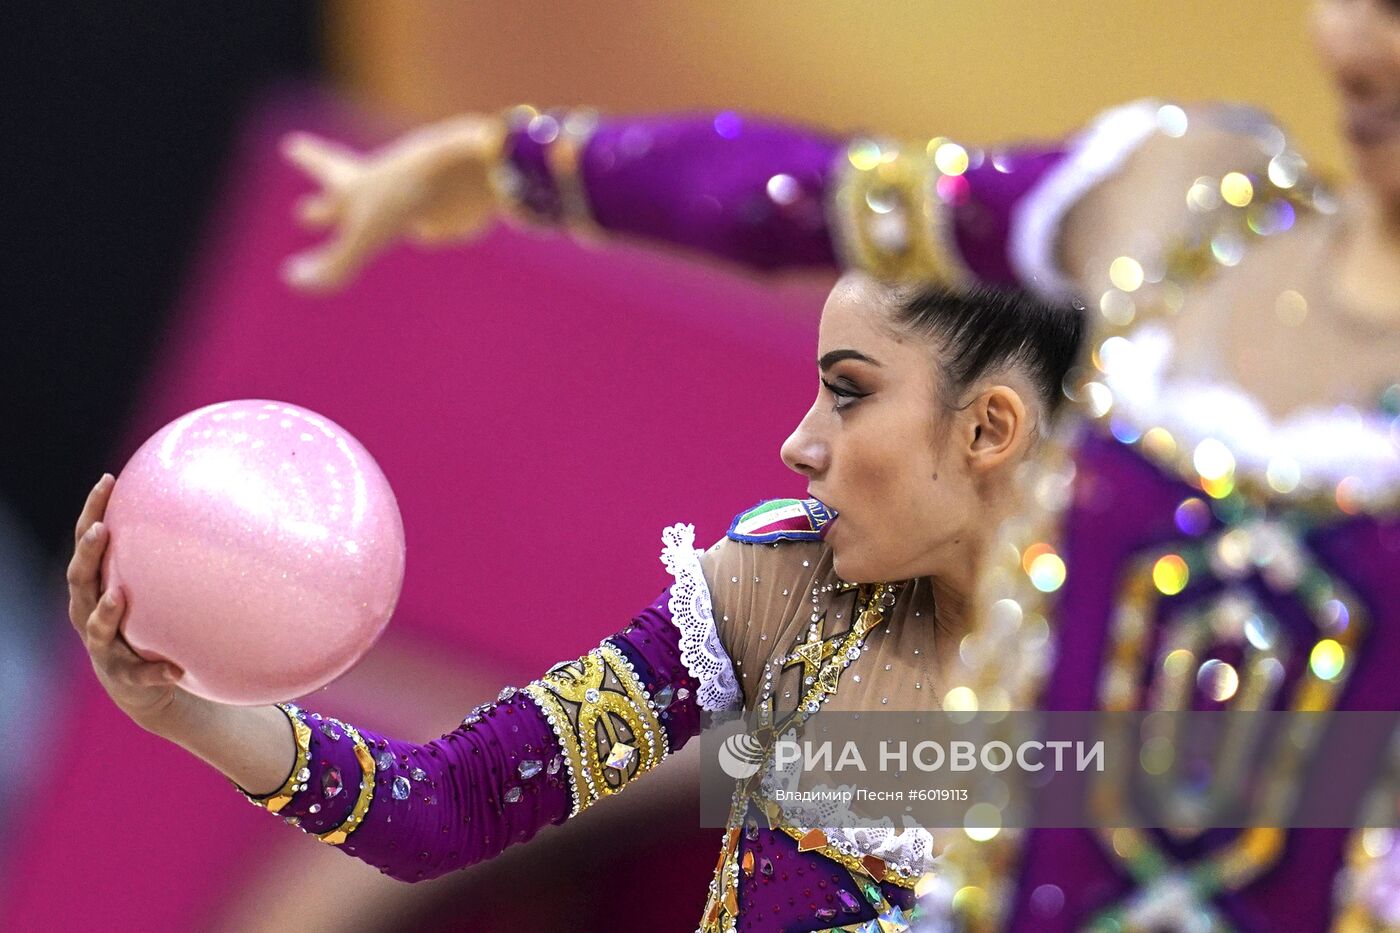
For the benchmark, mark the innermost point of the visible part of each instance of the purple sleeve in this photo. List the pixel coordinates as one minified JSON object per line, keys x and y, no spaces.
{"x":742,"y":189}
{"x":514,"y":765}
{"x":762,"y":193}
{"x":985,"y":199}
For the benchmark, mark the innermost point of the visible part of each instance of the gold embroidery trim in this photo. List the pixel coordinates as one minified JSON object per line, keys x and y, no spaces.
{"x":279,"y":798}
{"x":563,"y":155}
{"x":603,"y":720}
{"x":871,"y":866}
{"x":1257,"y":848}
{"x":722,"y":904}
{"x":888,"y":217}
{"x":352,"y":822}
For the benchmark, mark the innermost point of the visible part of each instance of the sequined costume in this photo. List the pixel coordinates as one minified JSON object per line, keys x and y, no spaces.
{"x":542,"y":753}
{"x":1187,"y":542}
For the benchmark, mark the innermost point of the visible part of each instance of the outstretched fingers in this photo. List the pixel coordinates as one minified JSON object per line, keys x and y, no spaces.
{"x":318,"y":210}
{"x":361,"y":234}
{"x":330,"y":164}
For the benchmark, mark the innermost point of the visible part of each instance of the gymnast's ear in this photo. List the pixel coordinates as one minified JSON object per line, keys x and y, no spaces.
{"x":998,"y":427}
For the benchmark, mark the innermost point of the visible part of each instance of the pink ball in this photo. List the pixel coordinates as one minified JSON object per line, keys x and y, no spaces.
{"x":260,"y":548}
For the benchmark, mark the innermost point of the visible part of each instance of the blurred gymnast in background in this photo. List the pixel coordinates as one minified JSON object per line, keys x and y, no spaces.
{"x":1237,"y":480}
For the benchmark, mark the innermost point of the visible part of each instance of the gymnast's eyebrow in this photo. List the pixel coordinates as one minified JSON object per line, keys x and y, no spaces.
{"x":829,"y":360}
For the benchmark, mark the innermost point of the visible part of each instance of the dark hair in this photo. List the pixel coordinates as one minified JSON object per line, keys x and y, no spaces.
{"x":983,"y":330}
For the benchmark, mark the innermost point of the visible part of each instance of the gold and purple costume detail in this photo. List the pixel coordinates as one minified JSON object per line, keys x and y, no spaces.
{"x":776,"y":196}
{"x":604,"y":720}
{"x":590,"y":726}
{"x":1190,"y":545}
{"x":532,"y":757}
{"x":1182,"y":545}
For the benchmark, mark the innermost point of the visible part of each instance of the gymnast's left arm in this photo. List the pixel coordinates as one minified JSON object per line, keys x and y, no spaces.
{"x":763,"y":193}
{"x":538,"y":754}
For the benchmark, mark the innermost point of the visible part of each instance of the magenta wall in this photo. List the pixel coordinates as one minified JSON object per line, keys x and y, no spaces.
{"x":542,"y":409}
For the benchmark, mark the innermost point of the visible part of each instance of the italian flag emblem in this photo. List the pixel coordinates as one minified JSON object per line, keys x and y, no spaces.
{"x":782,"y":520}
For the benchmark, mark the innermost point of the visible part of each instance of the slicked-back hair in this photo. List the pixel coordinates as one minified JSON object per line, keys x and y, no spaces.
{"x":983,"y":331}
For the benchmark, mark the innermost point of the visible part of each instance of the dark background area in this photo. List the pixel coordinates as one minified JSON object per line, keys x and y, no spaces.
{"x":120,"y":118}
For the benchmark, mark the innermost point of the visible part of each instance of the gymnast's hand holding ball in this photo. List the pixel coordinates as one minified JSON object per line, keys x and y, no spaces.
{"x":144,"y":690}
{"x":250,"y":552}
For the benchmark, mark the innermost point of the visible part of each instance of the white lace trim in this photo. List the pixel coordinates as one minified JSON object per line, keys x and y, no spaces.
{"x":909,"y":849}
{"x":1097,"y":152}
{"x":1316,"y":447}
{"x":692,"y":612}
